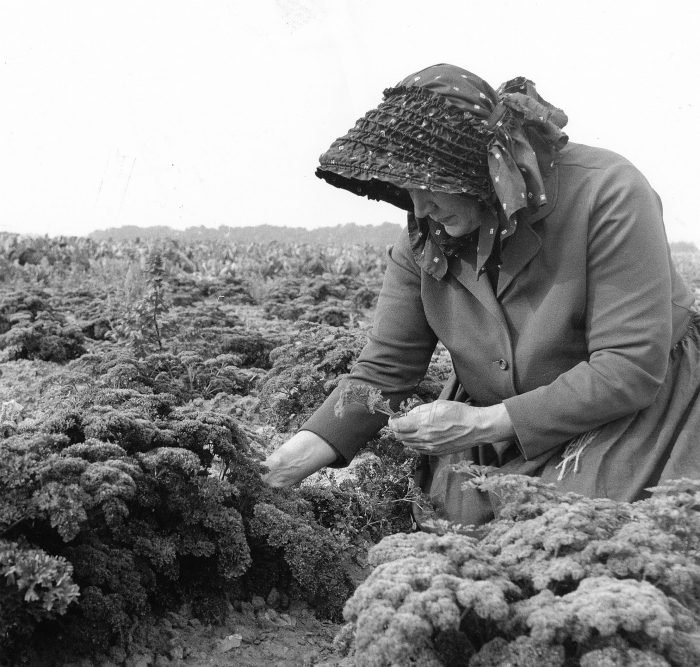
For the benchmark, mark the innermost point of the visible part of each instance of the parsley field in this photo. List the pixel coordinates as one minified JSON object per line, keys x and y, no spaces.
{"x":142,"y":384}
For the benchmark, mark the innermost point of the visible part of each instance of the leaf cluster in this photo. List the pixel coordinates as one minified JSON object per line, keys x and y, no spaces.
{"x":312,"y":554}
{"x":328,"y":298}
{"x":357,"y":393}
{"x":371,"y":499}
{"x":306,"y":371}
{"x":31,"y":329}
{"x":154,"y":505}
{"x":184,"y":374}
{"x":188,"y":290}
{"x":133,"y":492}
{"x":33,"y":586}
{"x":556,"y":580}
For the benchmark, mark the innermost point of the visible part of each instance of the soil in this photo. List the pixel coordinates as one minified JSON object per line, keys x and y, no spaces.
{"x":249,"y":638}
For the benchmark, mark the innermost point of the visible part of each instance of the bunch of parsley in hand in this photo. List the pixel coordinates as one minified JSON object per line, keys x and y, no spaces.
{"x":355,"y":393}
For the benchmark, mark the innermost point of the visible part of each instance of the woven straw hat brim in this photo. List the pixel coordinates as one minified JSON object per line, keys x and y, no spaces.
{"x":415,"y":138}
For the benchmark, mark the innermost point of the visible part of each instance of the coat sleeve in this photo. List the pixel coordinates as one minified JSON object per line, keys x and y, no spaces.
{"x":395,"y":358}
{"x":628,"y":320}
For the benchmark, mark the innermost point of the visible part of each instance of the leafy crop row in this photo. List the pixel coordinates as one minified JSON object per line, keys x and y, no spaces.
{"x":124,"y":498}
{"x":45,"y":260}
{"x":557,"y":580}
{"x":132,"y":482}
{"x":151,"y":504}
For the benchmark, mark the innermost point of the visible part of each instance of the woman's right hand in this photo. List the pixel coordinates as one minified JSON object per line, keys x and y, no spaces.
{"x":302,"y":455}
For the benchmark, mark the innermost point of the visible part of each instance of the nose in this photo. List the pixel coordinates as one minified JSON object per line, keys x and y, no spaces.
{"x":422,"y":204}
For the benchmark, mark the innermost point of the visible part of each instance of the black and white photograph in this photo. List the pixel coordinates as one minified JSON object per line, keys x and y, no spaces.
{"x":349,"y":333}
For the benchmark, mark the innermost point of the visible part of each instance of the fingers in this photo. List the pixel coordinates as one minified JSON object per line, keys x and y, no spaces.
{"x":419,"y":447}
{"x":437,"y":428}
{"x":411,"y":422}
{"x":401,"y":425}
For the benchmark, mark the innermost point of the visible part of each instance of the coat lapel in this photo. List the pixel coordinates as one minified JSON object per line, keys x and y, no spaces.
{"x":526,"y":243}
{"x":521,"y":248}
{"x":464,"y":270}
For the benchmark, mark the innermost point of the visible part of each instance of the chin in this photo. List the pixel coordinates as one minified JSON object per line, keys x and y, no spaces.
{"x":456,"y":232}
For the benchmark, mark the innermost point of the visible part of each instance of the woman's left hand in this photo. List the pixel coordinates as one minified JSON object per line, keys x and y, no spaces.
{"x":448,"y":427}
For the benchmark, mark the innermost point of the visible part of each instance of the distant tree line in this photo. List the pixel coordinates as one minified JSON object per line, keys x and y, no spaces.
{"x":348,"y":234}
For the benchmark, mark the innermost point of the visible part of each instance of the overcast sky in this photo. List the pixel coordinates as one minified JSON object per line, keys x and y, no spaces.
{"x":214,"y":112}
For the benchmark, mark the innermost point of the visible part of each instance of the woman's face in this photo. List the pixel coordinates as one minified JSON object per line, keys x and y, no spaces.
{"x":459,"y":214}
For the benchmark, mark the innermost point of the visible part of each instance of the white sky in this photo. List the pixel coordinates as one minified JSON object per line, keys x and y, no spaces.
{"x":211,"y":112}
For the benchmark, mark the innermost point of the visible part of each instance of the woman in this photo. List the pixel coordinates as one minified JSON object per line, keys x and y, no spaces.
{"x":543,"y":268}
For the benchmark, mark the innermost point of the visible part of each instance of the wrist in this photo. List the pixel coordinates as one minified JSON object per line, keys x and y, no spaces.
{"x":299,"y":457}
{"x":496,"y":424}
{"x":280,"y":472}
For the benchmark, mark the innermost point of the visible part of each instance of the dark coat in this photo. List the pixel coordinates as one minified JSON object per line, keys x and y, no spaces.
{"x":587,"y":309}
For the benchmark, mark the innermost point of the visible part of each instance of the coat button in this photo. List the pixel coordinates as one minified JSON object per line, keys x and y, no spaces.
{"x":503,"y":364}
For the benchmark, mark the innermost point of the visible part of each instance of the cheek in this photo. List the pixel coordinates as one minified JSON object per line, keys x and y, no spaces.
{"x":468,"y":211}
